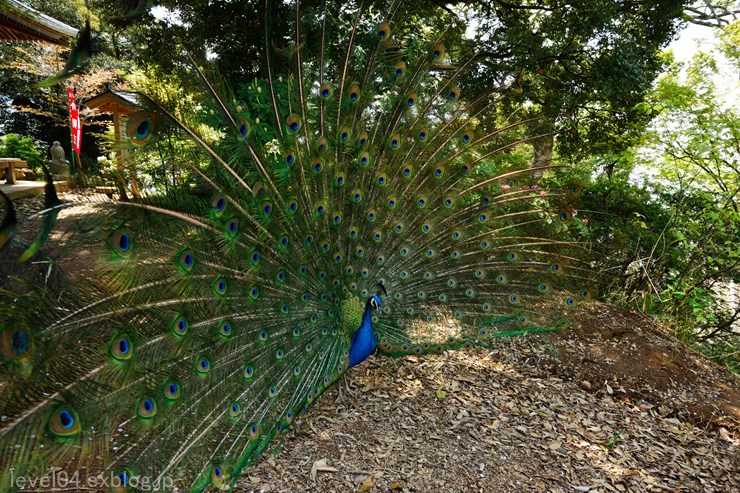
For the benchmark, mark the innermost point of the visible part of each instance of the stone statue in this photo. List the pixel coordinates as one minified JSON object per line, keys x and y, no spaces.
{"x":58,"y":166}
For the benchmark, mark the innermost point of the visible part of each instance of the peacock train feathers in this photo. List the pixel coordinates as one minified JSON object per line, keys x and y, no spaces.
{"x":359,"y":198}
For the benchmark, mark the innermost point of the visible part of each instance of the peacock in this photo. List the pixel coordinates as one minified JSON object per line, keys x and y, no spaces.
{"x":357,"y":199}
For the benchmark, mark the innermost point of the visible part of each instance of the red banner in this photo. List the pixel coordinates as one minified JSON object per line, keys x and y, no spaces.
{"x":74,"y":117}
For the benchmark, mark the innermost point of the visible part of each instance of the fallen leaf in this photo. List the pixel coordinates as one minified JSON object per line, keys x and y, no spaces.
{"x":367,"y":484}
{"x":724,"y":434}
{"x":321,"y":465}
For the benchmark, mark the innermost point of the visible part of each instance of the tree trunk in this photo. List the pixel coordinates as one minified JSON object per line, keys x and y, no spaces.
{"x":543,"y":147}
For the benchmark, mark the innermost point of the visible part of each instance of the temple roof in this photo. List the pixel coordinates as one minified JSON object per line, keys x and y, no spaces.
{"x":113,"y":100}
{"x":19,"y":22}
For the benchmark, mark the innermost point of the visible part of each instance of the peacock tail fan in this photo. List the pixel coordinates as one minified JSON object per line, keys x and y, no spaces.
{"x":192,"y":327}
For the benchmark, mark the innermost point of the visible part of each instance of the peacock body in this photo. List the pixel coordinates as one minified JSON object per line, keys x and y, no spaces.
{"x":357,"y":201}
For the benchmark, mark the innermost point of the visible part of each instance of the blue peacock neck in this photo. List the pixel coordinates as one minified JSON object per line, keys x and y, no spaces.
{"x":364,"y":340}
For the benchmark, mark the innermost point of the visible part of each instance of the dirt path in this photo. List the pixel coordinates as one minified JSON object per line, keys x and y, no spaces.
{"x":611,"y":406}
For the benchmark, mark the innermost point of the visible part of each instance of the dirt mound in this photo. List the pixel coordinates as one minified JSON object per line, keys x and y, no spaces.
{"x":640,"y":361}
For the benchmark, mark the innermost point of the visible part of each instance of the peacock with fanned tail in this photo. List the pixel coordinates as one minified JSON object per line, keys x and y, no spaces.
{"x":357,"y":203}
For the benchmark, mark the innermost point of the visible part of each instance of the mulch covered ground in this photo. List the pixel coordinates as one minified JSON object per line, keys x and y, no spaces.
{"x":612,"y":405}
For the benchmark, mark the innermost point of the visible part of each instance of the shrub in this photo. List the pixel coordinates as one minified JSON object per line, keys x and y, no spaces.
{"x":25,"y":148}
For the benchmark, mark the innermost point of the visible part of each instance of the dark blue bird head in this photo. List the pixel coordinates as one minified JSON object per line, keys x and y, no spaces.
{"x":374,"y":302}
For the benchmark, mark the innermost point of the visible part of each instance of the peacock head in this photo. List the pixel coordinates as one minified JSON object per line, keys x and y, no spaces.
{"x":374,"y":302}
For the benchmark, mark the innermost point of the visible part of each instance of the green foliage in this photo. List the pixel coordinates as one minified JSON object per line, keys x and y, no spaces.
{"x":730,"y":42}
{"x":583,"y":65}
{"x":25,"y":148}
{"x":669,"y":222}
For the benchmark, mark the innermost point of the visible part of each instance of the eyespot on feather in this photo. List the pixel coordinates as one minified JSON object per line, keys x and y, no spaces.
{"x":146,"y":407}
{"x":400,"y":70}
{"x":438,"y":52}
{"x":266,"y":208}
{"x":344,"y":135}
{"x":219,"y":286}
{"x":325,"y":90}
{"x":218,"y":205}
{"x":384,"y":31}
{"x":180,"y":326}
{"x":225,"y":328}
{"x":293,"y":123}
{"x":64,"y":421}
{"x":231,"y":228}
{"x":258,"y":190}
{"x":171,"y":391}
{"x":186,"y":260}
{"x":140,"y":127}
{"x":121,"y":480}
{"x":16,"y":342}
{"x":121,"y":348}
{"x":218,"y":475}
{"x":353,"y":94}
{"x":565,"y":216}
{"x":243,"y":129}
{"x":122,"y":242}
{"x":573,"y":191}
